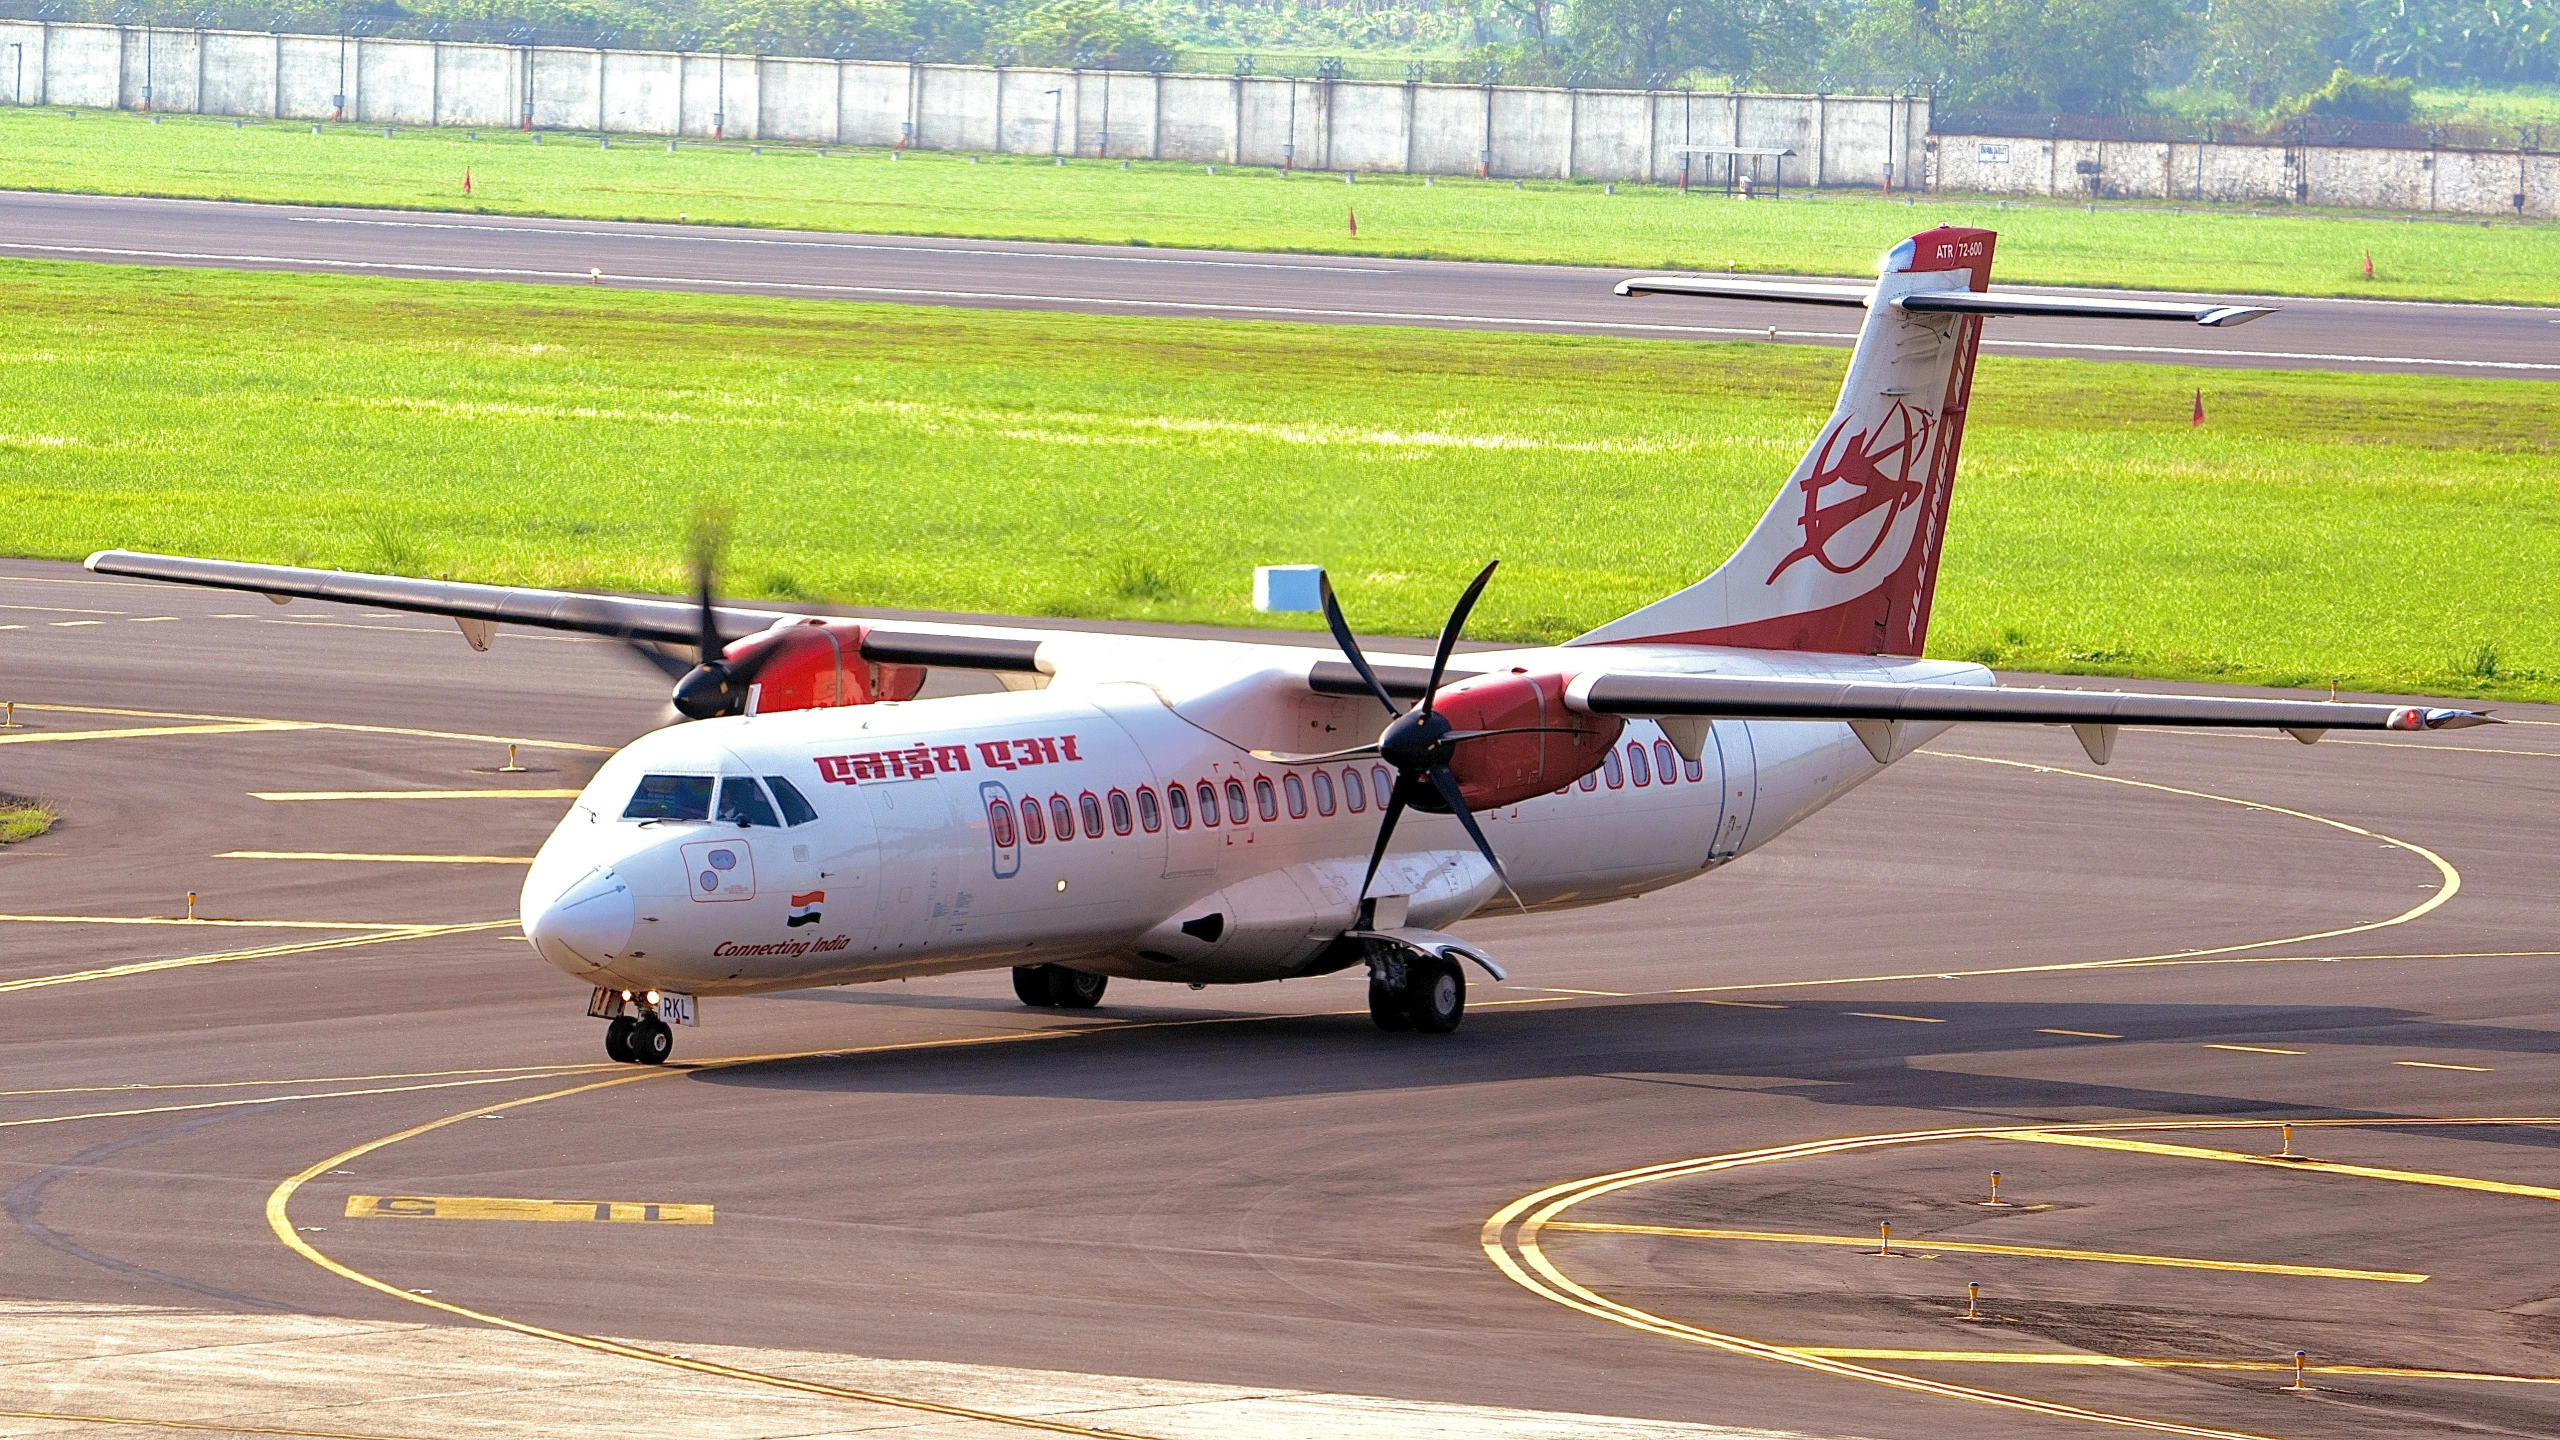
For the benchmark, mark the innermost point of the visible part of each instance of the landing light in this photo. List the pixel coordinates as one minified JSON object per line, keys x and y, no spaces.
{"x":653,"y":997}
{"x":1062,"y":887}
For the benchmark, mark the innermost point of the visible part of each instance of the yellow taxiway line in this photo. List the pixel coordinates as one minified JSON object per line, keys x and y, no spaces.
{"x":215,"y":1427}
{"x":375,"y":859}
{"x":528,"y":742}
{"x":512,"y":1072}
{"x":489,"y":1207}
{"x":144,"y":732}
{"x":184,"y":921}
{"x":2320,"y":1167}
{"x":414,"y":794}
{"x":1967,"y":1247}
{"x":226,"y":957}
{"x":2149,"y":1362}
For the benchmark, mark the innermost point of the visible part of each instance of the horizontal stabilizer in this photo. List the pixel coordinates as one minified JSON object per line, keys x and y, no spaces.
{"x":2087,"y":307}
{"x":1755,"y":698}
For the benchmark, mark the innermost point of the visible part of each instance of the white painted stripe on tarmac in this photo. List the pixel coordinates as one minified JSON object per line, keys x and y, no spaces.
{"x":1202,"y":307}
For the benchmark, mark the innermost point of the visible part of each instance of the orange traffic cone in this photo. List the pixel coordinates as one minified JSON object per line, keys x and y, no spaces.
{"x":1355,"y":223}
{"x":2368,"y":264}
{"x":2197,"y":418}
{"x":466,"y":179}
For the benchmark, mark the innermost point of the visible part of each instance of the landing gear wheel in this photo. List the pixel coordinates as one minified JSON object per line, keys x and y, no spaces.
{"x":1075,"y":989}
{"x":617,"y":1039}
{"x":1031,"y":985}
{"x":652,"y":1042}
{"x":1387,"y":1008}
{"x":1435,"y":994}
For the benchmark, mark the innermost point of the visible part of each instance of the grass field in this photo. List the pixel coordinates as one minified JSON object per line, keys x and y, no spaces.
{"x":21,"y":820}
{"x":930,"y":193}
{"x":2386,"y":532}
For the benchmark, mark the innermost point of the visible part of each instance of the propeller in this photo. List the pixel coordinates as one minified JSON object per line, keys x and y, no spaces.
{"x":1418,"y":743}
{"x":709,"y":688}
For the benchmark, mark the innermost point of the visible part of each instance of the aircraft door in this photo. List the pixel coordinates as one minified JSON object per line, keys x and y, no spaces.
{"x":918,"y":866}
{"x":1737,"y":758}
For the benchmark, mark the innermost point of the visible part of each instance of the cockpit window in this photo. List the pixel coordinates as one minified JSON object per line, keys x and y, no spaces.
{"x":796,"y":809}
{"x":670,"y":797}
{"x":742,"y":802}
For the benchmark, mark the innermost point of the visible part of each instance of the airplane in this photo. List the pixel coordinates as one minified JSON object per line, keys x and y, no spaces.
{"x":1223,"y":813}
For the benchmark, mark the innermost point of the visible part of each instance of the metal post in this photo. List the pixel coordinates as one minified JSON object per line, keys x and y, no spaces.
{"x":146,"y":69}
{"x":18,"y":86}
{"x":1289,"y":146}
{"x":1102,"y":146}
{"x":1056,"y":107}
{"x":720,"y":98}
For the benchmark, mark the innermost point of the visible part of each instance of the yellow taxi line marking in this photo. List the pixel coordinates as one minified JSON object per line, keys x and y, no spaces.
{"x":62,"y":609}
{"x":2383,"y":744}
{"x":2257,"y":1049}
{"x":1597,"y":994}
{"x":1966,"y":1247}
{"x":183,"y":921}
{"x":1885,"y":1015}
{"x":220,"y":1428}
{"x":2039,"y":1357}
{"x":2324,"y":1167}
{"x":225,"y":957}
{"x":72,"y":624}
{"x":152,"y":619}
{"x":488,"y":1207}
{"x":2083,"y":1034}
{"x":527,"y":1072}
{"x":526,"y":741}
{"x":2442,"y":1065}
{"x":414,"y":794}
{"x":1736,"y":1004}
{"x":374,"y":859}
{"x":144,"y":732}
{"x":255,"y":1101}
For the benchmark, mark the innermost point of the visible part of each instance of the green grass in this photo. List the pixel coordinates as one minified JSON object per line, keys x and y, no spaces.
{"x":2387,"y":532}
{"x":931,"y":193}
{"x":2503,"y":105}
{"x":20,"y":820}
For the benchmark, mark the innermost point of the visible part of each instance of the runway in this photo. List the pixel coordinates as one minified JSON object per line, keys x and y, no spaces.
{"x":2316,"y":334}
{"x":266,"y":1172}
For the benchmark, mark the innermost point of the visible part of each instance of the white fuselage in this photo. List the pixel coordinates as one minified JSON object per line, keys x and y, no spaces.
{"x":921,"y":858}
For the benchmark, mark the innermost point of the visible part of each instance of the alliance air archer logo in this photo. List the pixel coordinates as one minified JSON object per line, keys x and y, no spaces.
{"x":1854,"y":477}
{"x":804,"y":909}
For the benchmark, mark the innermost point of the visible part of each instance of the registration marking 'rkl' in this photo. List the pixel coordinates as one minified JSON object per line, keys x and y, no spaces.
{"x":484,"y":1207}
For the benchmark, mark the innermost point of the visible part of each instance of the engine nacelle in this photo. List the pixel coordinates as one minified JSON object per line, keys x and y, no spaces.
{"x":1504,"y":770}
{"x":812,"y":665}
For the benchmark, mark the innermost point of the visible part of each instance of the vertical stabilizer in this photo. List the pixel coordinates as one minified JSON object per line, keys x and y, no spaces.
{"x":1846,"y":559}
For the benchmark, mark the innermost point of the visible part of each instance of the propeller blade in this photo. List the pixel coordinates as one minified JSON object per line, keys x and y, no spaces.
{"x":1350,"y":644}
{"x":709,"y":536}
{"x":1447,"y":785}
{"x":674,"y":667}
{"x":1386,"y":832}
{"x":1457,"y":735}
{"x":1449,"y":632}
{"x":1357,"y":752}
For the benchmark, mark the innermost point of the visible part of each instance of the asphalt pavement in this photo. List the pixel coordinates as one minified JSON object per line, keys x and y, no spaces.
{"x":1247,"y":1211}
{"x":2371,"y":336}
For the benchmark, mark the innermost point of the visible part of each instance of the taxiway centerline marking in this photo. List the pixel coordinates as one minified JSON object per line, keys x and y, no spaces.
{"x":2105,"y":1257}
{"x":374,"y":859}
{"x":256,"y":1101}
{"x":180,"y":920}
{"x":2081,"y":1034}
{"x":2441,"y":1065}
{"x":225,"y":957}
{"x":524,"y":740}
{"x":1734,"y":1004}
{"x":2323,"y":1167}
{"x":145,"y":732}
{"x":2146,"y":1362}
{"x":511,"y":1071}
{"x":1886,"y":1015}
{"x":62,"y":1417}
{"x":62,"y":609}
{"x":2255,"y":1049}
{"x":491,"y":1207}
{"x":415,"y":794}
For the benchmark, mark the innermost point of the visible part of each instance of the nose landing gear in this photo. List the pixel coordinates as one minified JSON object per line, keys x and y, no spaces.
{"x":1058,"y":985}
{"x":636,"y":1039}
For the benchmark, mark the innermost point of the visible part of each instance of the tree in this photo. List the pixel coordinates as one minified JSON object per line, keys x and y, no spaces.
{"x":1084,"y":32}
{"x":2093,"y":57}
{"x":1638,"y":38}
{"x":2265,"y":50}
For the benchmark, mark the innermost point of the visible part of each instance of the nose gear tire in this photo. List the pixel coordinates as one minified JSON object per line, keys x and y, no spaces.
{"x":617,"y":1039}
{"x":652,"y":1042}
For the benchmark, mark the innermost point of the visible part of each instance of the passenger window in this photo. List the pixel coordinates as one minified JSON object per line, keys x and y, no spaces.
{"x":1209,"y":803}
{"x":1354,"y":794}
{"x":1235,"y":802}
{"x":1296,"y":790}
{"x":1092,"y":809}
{"x":1000,"y":823}
{"x":1150,"y":816}
{"x":1637,"y":767}
{"x":1615,"y":773}
{"x":1383,"y":783}
{"x":1120,"y":823}
{"x":1178,"y":800}
{"x":742,"y":803}
{"x":1591,"y":780}
{"x":670,"y":797}
{"x":1665,"y":763}
{"x":1062,"y":818}
{"x":1695,"y":770}
{"x":1034,"y":829}
{"x":1323,"y":781}
{"x":796,"y":809}
{"x":1265,"y":800}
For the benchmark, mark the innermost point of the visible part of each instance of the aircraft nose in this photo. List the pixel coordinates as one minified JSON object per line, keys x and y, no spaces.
{"x":586,"y":925}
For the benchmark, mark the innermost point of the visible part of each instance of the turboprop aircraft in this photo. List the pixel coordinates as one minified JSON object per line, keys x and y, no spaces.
{"x":1221,"y":813}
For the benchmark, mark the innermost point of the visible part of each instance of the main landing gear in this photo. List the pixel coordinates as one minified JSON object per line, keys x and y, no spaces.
{"x":1409,"y":991}
{"x":1058,"y":985}
{"x":639,"y":1040}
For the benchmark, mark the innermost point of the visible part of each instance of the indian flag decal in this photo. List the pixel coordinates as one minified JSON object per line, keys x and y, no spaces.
{"x":804,"y":908}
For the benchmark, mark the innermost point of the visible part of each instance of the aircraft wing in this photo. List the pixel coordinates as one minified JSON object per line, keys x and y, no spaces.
{"x":1960,"y":302}
{"x":885,"y":642}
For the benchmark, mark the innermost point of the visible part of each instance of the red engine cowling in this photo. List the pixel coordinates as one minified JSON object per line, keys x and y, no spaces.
{"x":1507,"y":769}
{"x":815,"y":664}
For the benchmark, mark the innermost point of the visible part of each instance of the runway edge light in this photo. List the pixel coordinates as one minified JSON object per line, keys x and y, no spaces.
{"x":1288,"y":588}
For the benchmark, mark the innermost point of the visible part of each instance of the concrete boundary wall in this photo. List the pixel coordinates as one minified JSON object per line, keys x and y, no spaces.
{"x":2459,"y":182}
{"x":1509,"y":131}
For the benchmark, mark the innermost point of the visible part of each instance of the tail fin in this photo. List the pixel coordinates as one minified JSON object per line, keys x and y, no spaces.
{"x":1846,"y":559}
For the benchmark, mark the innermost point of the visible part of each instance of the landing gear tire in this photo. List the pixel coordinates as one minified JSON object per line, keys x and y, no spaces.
{"x":617,"y":1039}
{"x":1031,"y":985}
{"x":1075,"y":989}
{"x":652,"y":1042}
{"x":1387,"y":1008}
{"x":1435,"y":995}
